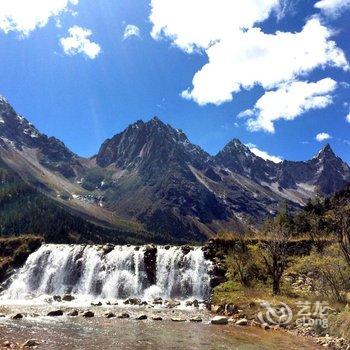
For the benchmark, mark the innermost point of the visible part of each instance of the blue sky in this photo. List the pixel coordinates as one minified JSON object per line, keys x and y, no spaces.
{"x":70,"y":68}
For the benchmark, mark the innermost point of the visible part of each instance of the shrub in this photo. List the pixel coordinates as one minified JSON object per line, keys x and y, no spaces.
{"x":331,"y":271}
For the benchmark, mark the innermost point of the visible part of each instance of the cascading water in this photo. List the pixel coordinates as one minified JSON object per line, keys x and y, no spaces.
{"x":90,"y":272}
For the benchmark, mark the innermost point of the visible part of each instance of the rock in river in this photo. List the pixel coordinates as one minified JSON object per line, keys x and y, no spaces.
{"x":142,"y":317}
{"x":88,"y":314}
{"x":219,"y":320}
{"x":157,"y":318}
{"x":55,"y":313}
{"x":68,"y":297}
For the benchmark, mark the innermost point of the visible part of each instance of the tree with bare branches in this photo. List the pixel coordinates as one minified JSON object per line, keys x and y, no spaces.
{"x":342,"y":229}
{"x":274,"y":249}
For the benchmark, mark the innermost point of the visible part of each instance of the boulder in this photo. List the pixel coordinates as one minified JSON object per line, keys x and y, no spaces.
{"x":196,"y":319}
{"x":143,"y":303}
{"x":88,"y":314}
{"x":73,"y":313}
{"x":68,"y":297}
{"x":219,"y":320}
{"x":111,"y":302}
{"x":242,"y":322}
{"x":142,"y":317}
{"x":110,"y":315}
{"x":30,"y":343}
{"x":123,"y":315}
{"x":57,"y":298}
{"x":158,"y":301}
{"x":17,"y":316}
{"x":55,"y":313}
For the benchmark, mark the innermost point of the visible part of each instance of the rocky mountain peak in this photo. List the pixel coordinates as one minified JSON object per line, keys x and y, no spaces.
{"x":17,"y":133}
{"x":325,"y":153}
{"x":145,"y":142}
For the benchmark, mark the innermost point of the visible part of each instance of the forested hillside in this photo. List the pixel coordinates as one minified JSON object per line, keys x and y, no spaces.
{"x":24,"y":210}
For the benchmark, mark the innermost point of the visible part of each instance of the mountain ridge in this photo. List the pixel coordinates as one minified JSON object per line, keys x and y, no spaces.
{"x":150,"y":174}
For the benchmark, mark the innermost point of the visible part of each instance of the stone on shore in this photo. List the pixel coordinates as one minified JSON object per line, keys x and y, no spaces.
{"x":123,"y":315}
{"x":231,"y":309}
{"x":217,"y":309}
{"x":196,"y":319}
{"x":110,"y":315}
{"x":219,"y":320}
{"x":242,"y":322}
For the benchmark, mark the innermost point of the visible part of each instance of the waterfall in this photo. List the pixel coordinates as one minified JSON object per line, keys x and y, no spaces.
{"x":91,"y":272}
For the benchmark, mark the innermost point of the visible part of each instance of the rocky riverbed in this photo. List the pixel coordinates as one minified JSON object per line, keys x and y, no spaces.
{"x":133,"y":327}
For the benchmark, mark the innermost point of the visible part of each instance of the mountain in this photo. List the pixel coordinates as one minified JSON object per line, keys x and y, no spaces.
{"x":151,"y":181}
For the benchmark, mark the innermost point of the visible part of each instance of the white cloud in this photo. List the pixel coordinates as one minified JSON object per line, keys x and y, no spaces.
{"x":348,"y":118}
{"x":332,"y":7}
{"x":24,"y":16}
{"x":263,"y":154}
{"x":262,"y":59}
{"x":78,"y":42}
{"x":322,"y":136}
{"x":195,"y":24}
{"x":131,"y":30}
{"x":288,"y":102}
{"x":241,"y":56}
